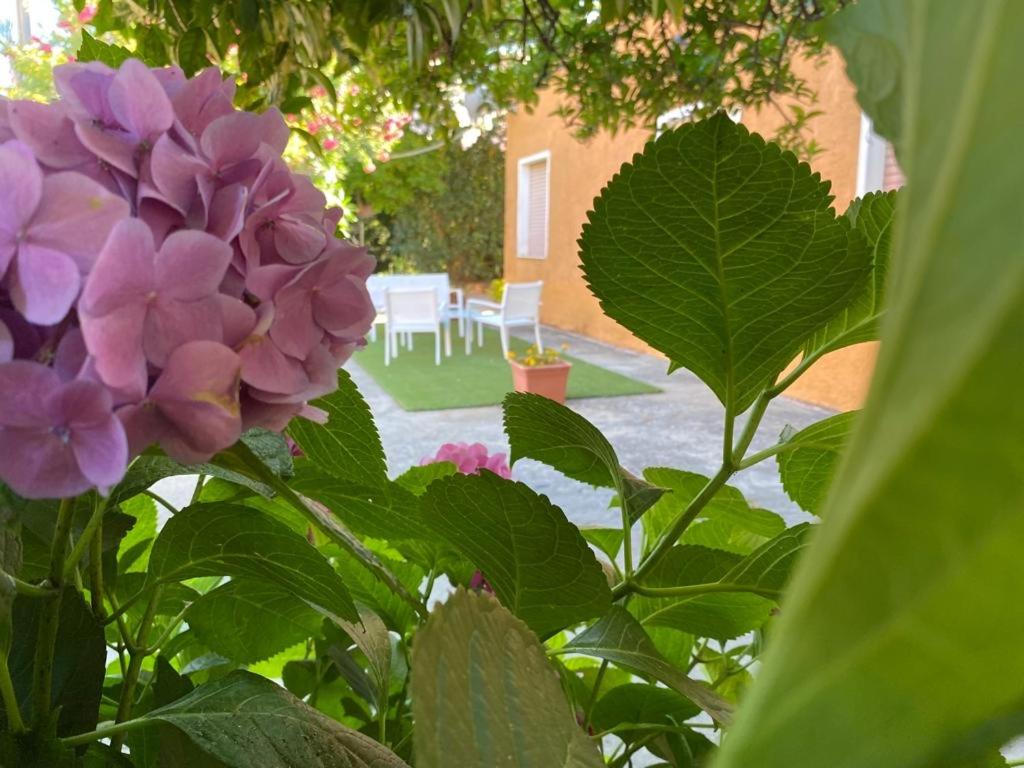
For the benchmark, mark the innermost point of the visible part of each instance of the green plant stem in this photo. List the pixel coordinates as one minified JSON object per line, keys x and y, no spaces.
{"x":324,"y":519}
{"x":49,"y":620}
{"x":767,"y":453}
{"x":598,"y":679}
{"x":198,"y":489}
{"x":671,"y":536}
{"x":156,"y":645}
{"x":96,"y":572}
{"x":32,"y":590}
{"x":136,"y":656}
{"x":732,"y":459}
{"x":10,"y":699}
{"x":627,"y":538}
{"x":161,"y":501}
{"x":85,"y":540}
{"x":757,"y":410}
{"x":802,"y":367}
{"x":114,"y":730}
{"x":693,"y":590}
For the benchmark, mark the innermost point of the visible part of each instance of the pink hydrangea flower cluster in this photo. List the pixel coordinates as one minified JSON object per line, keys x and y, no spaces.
{"x":164,"y":277}
{"x":469,"y":459}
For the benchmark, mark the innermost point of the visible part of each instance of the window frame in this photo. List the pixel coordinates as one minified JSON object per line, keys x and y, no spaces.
{"x":523,"y":208}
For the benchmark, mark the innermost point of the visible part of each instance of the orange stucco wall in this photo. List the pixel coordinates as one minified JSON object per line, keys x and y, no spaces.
{"x":580,"y":169}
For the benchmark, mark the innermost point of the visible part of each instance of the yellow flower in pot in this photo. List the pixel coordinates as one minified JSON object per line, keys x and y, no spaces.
{"x":540,"y":372}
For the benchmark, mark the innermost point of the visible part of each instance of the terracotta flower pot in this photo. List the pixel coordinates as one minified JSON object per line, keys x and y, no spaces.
{"x":550,"y":381}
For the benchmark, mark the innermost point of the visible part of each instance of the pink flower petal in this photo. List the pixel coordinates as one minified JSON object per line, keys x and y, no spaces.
{"x":231,"y":139}
{"x":75,"y":216}
{"x":115,"y":342}
{"x":171,"y":323}
{"x":175,"y":173}
{"x":197,"y":394}
{"x":191,"y":265}
{"x":47,"y":130}
{"x":101,"y":452}
{"x":203,"y":99}
{"x":293,"y":330}
{"x":21,"y":187}
{"x":298,"y":242}
{"x":124,"y":273}
{"x":24,"y":389}
{"x":227,"y":212}
{"x":6,"y":344}
{"x":266,"y":367}
{"x":274,"y":130}
{"x":237,"y":318}
{"x":45,"y":284}
{"x":112,"y":145}
{"x":139,"y":102}
{"x":39,"y":465}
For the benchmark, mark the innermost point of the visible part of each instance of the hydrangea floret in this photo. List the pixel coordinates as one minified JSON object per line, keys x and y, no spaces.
{"x":470,"y":458}
{"x":164,"y":277}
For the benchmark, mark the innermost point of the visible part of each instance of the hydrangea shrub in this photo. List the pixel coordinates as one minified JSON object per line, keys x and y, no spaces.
{"x":165,"y":277}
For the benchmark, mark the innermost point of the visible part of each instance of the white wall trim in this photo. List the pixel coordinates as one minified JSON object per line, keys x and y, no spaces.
{"x":870,"y":158}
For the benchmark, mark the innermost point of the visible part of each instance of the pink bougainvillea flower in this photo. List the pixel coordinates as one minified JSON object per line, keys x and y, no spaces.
{"x":140,"y":304}
{"x":87,"y":14}
{"x":329,"y":295}
{"x":52,"y":228}
{"x":57,"y":439}
{"x":470,"y":458}
{"x":192,"y":410}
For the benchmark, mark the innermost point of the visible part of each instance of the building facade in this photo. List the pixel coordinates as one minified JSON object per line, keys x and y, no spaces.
{"x":551,"y":180}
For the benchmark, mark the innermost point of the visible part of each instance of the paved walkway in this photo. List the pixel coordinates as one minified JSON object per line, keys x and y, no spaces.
{"x":679,"y":427}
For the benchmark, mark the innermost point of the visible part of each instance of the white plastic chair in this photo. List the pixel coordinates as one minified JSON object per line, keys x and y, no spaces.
{"x":414,"y":310}
{"x":519,"y":307}
{"x":452,"y":299}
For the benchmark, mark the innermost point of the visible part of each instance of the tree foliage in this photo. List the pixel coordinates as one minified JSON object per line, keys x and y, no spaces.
{"x":438,"y":211}
{"x":618,"y":63}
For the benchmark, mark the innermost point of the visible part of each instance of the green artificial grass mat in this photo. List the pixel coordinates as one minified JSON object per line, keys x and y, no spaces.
{"x":482,"y":378}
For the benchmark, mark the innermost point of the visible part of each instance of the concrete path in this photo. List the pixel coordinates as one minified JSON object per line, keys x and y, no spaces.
{"x":679,"y":427}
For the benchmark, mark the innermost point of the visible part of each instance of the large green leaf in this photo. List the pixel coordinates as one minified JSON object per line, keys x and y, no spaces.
{"x":241,"y":542}
{"x":719,"y":615}
{"x":249,"y":621}
{"x":620,"y":639}
{"x":348,"y":445}
{"x":245,"y":720}
{"x":873,"y":215}
{"x":78,"y":661}
{"x":722,"y":252}
{"x":539,"y":428}
{"x":417,"y":479}
{"x":538,"y":563}
{"x":911,"y":586}
{"x":874,"y":37}
{"x":807,"y":468}
{"x":384,"y":511}
{"x":641,"y":703}
{"x":485,"y":696}
{"x":726,"y":522}
{"x":734,"y":595}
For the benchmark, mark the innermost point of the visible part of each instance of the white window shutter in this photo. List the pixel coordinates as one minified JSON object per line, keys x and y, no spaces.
{"x":533,"y":207}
